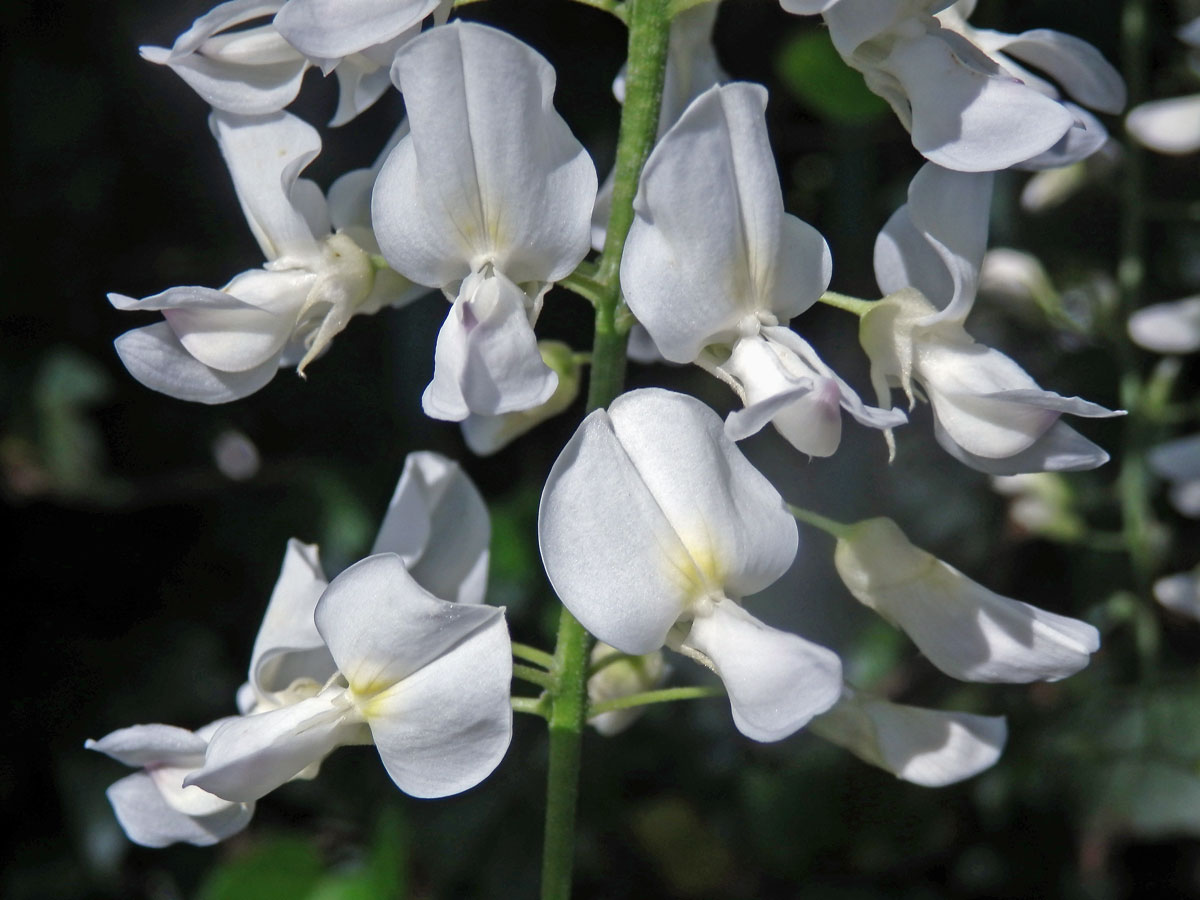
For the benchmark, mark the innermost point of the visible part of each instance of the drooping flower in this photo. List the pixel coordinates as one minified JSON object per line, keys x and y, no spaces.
{"x":1180,"y":592}
{"x":713,"y":264}
{"x":258,"y":70}
{"x":220,"y":345}
{"x":966,"y":630}
{"x":425,"y":680}
{"x":153,"y":806}
{"x":929,"y":747}
{"x":653,"y":526}
{"x":965,"y":109}
{"x":988,"y":412}
{"x":488,"y":198}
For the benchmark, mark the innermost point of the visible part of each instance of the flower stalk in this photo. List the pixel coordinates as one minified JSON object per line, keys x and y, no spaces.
{"x":649,"y":22}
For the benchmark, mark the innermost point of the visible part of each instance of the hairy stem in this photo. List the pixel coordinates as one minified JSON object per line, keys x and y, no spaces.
{"x":649,"y":23}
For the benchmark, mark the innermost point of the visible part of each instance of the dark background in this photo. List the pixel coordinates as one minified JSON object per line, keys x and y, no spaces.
{"x":137,"y":573}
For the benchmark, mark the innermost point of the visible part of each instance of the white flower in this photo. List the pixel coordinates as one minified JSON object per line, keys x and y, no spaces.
{"x":154,"y":807}
{"x":258,"y":70}
{"x":1178,"y":461}
{"x":623,"y":678}
{"x":436,"y":522}
{"x":220,"y":345}
{"x":489,"y":198}
{"x":1172,"y":125}
{"x":988,"y":412}
{"x":653,"y":526}
{"x":964,"y":629}
{"x":713,"y":264}
{"x":929,"y":747}
{"x":967,"y":111}
{"x":425,"y":680}
{"x":1168,"y":327}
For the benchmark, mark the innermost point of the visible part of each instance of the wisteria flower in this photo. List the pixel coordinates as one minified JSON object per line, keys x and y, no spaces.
{"x":1178,"y":461}
{"x":220,"y":345}
{"x":488,"y":198}
{"x":1167,"y":327}
{"x":966,"y":110}
{"x":713,"y":264}
{"x":967,"y":631}
{"x":653,"y":526}
{"x":988,"y":412}
{"x":153,"y":806}
{"x":426,"y":680}
{"x":258,"y":70}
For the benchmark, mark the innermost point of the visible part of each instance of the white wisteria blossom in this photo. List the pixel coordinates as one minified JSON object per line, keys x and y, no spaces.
{"x":929,"y":747}
{"x":1172,"y":327}
{"x":153,"y":806}
{"x":1172,"y":125}
{"x":653,"y":526}
{"x":258,"y":70}
{"x":713,"y":264}
{"x":966,"y":110}
{"x":426,"y":680}
{"x":221,"y":345}
{"x":966,"y":630}
{"x":988,"y":412}
{"x":489,"y":198}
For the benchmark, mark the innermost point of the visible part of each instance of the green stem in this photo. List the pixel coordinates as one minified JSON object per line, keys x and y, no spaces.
{"x":849,"y":304}
{"x":533,"y":655}
{"x":534,"y":706}
{"x":585,"y":286}
{"x":534,"y":676}
{"x":666,"y":695}
{"x":649,"y":27}
{"x":829,"y":526}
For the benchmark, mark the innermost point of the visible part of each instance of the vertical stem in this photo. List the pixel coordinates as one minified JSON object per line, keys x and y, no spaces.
{"x":649,"y":25}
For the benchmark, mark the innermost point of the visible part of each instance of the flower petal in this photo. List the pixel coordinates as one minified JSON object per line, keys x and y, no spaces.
{"x":1168,"y":327}
{"x":776,"y":681}
{"x":145,"y":745}
{"x":250,"y":756}
{"x":1059,"y":449}
{"x":444,"y":728}
{"x":288,"y":645}
{"x":929,"y":747}
{"x":438,"y":524}
{"x":486,"y":360}
{"x":331,"y":29}
{"x":381,"y":626}
{"x":711,"y":244}
{"x":1168,"y":126}
{"x":155,"y":357}
{"x":1079,"y":68}
{"x":149,"y":820}
{"x":490,"y":172}
{"x":265,"y":155}
{"x":969,"y":118}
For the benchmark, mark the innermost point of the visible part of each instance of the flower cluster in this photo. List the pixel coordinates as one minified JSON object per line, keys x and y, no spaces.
{"x":655,"y":530}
